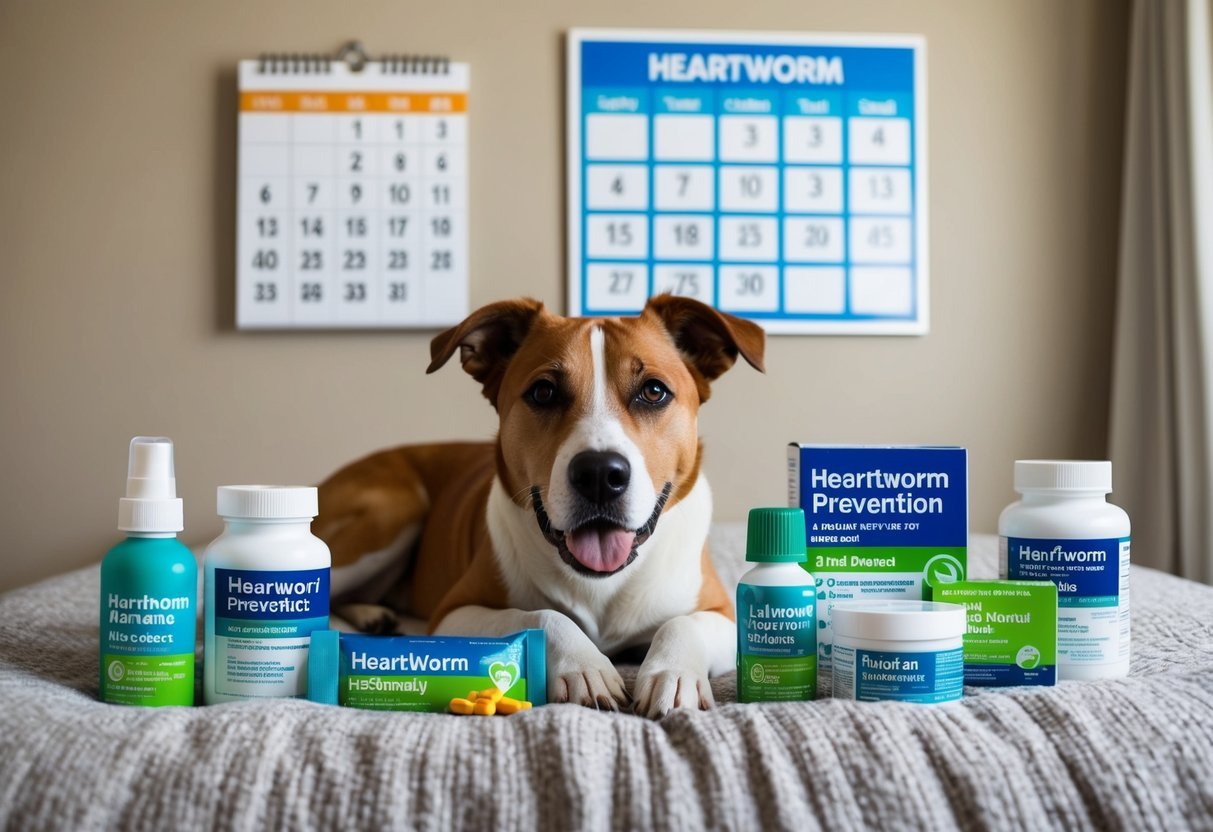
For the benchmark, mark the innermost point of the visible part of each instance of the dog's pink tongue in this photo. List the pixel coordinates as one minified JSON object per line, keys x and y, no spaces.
{"x":602,"y":550}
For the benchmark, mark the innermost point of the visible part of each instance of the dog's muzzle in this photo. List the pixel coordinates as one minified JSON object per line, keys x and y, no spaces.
{"x":602,"y":542}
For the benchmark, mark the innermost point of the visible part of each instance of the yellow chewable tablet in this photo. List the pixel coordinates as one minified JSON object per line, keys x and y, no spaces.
{"x":473,"y":695}
{"x":494,"y":694}
{"x":484,"y":707}
{"x":461,"y":706}
{"x":509,"y":706}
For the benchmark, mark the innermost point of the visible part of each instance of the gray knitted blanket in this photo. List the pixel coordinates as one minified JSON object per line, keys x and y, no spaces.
{"x":1130,"y":754}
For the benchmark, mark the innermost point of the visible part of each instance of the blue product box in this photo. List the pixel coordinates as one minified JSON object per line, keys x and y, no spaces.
{"x":881,"y":521}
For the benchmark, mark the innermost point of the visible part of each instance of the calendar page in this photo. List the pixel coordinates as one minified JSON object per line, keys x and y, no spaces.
{"x":780,"y":177}
{"x":352,"y":195}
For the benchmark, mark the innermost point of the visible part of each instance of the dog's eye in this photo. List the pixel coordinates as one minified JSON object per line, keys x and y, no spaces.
{"x":542,"y":393}
{"x":654,"y":392}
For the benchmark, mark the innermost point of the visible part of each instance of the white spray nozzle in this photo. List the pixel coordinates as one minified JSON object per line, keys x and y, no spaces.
{"x":151,"y":504}
{"x":150,"y":471}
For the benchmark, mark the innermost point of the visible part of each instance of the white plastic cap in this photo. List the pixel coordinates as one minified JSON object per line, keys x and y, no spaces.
{"x":267,"y":502}
{"x":1063,"y":475}
{"x":151,"y":504}
{"x":898,"y":620}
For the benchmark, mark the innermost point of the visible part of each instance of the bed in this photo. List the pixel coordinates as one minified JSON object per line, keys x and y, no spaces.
{"x":1135,"y":753}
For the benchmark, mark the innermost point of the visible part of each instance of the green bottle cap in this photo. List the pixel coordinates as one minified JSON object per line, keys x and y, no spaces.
{"x":776,"y":535}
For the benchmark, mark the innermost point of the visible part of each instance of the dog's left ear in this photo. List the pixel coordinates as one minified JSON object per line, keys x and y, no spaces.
{"x":709,"y":340}
{"x":487,"y":339}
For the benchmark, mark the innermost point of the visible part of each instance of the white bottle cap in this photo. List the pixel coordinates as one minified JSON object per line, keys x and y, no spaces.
{"x":267,"y":502}
{"x":898,"y":620}
{"x":151,"y":504}
{"x":1063,"y":475}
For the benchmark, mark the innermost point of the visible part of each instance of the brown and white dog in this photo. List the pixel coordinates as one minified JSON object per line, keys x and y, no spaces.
{"x":588,"y":517}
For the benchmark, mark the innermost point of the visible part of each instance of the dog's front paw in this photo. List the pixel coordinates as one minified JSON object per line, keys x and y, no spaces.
{"x":660,"y":690}
{"x":589,"y":679}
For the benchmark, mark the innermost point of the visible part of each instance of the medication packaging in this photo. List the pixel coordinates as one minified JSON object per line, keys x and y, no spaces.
{"x":1064,"y":530}
{"x":776,"y":612}
{"x":881,"y":523}
{"x":480,"y":675}
{"x":904,"y":651}
{"x":149,"y":589}
{"x":267,"y":590}
{"x":1012,"y":634}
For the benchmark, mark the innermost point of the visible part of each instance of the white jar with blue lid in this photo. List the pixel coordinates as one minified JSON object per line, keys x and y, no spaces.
{"x":903,"y":651}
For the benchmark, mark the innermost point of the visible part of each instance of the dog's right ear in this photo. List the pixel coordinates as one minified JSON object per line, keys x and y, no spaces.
{"x":486,"y":341}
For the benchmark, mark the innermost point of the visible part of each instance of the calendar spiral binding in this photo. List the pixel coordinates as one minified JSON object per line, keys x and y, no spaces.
{"x":294,"y":63}
{"x":355,"y":57}
{"x":414,"y":65}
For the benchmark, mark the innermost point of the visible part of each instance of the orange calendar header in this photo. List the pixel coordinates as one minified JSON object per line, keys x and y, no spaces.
{"x":353,"y":102}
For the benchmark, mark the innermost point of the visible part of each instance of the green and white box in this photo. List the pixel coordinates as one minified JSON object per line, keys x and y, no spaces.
{"x":880,"y":521}
{"x":1012,"y":635}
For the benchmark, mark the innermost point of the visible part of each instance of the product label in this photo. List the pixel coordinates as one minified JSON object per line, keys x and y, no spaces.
{"x":425,"y":674}
{"x":872,"y":675}
{"x":881,"y":496}
{"x":263,"y":626}
{"x":1092,"y":578}
{"x":880,"y":523}
{"x":877,"y":574}
{"x":776,"y":643}
{"x":147,"y":647}
{"x":1012,"y":630}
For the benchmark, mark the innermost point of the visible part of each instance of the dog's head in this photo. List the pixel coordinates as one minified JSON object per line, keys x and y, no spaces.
{"x":598,"y":415}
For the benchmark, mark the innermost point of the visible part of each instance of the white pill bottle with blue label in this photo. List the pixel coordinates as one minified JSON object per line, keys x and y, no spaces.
{"x":1064,"y":530}
{"x":267,"y":589}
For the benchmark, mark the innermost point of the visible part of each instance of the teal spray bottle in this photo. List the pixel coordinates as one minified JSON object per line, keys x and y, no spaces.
{"x":149,"y":589}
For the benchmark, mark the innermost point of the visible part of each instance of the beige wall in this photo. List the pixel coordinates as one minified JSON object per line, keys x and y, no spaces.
{"x":117,"y":155}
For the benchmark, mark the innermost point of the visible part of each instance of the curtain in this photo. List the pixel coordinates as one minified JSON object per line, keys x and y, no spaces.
{"x":1161,"y":423}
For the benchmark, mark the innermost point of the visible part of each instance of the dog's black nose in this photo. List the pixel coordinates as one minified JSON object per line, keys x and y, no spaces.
{"x":600,"y":476}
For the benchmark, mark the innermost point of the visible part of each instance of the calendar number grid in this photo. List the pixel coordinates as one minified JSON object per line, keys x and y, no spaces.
{"x":798,"y":207}
{"x":352,"y":200}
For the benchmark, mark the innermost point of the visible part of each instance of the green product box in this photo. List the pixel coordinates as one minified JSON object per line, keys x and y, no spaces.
{"x":1012,"y":635}
{"x":881,"y":522}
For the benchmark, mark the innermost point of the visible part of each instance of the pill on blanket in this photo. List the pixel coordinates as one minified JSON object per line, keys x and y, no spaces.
{"x":511,"y":706}
{"x":484,"y":707}
{"x":494,"y":694}
{"x":461,"y":706}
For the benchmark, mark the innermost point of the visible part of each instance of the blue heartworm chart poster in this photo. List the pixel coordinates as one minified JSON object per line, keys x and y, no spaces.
{"x":779,"y":177}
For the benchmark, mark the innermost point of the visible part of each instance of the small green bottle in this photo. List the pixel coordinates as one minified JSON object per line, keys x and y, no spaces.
{"x":149,"y":589}
{"x":776,"y":612}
